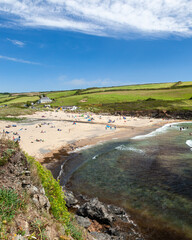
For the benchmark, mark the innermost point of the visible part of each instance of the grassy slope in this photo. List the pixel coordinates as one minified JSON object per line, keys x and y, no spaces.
{"x":140,"y":87}
{"x":125,"y":96}
{"x":186,"y":83}
{"x":21,"y":99}
{"x":55,"y":95}
{"x":4,"y":99}
{"x":166,"y":95}
{"x":2,"y":95}
{"x":133,"y":87}
{"x":11,"y":110}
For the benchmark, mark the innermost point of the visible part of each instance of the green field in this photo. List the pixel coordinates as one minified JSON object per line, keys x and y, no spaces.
{"x":5,"y":99}
{"x":2,"y":95}
{"x":141,"y":87}
{"x":132,"y":87}
{"x":124,"y":96}
{"x":164,"y":96}
{"x":55,"y":95}
{"x":21,"y":100}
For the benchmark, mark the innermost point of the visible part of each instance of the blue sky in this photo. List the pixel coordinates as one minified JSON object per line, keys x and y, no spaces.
{"x":71,"y":44}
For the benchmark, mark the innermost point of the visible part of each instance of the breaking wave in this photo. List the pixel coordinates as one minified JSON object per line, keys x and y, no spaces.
{"x":124,"y":148}
{"x":189,"y":143}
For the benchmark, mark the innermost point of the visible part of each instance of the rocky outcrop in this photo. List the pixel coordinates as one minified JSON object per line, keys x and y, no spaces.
{"x":94,"y":209}
{"x":109,"y":219}
{"x":101,"y":236}
{"x":118,"y":213}
{"x":83,"y":221}
{"x":175,"y":114}
{"x":70,"y":199}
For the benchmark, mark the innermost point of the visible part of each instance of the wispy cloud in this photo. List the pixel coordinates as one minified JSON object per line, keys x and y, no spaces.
{"x":83,"y":83}
{"x":106,"y":17}
{"x":18,"y":60}
{"x":16,"y":42}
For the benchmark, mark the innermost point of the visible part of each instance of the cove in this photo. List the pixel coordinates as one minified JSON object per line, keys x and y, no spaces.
{"x":149,"y":175}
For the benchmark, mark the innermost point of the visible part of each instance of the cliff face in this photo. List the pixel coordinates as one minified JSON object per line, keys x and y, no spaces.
{"x":177,"y":114}
{"x":24,"y":207}
{"x":32,"y":204}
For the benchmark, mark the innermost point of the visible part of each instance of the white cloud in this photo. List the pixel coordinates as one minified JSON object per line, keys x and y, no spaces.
{"x":106,"y":17}
{"x":62,"y":78}
{"x":17,"y":60}
{"x":16,"y":42}
{"x":78,"y":82}
{"x":83,"y":83}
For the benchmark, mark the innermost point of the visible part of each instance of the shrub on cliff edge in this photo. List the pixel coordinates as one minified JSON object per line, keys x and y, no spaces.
{"x":56,"y":197}
{"x":52,"y":190}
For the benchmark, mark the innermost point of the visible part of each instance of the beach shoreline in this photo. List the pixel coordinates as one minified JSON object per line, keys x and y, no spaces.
{"x":79,"y":145}
{"x":45,"y":133}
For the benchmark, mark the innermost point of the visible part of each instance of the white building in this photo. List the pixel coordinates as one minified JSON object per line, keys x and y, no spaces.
{"x":44,"y":100}
{"x":70,"y":108}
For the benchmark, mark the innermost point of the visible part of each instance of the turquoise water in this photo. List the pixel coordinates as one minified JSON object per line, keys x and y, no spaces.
{"x":150,"y":173}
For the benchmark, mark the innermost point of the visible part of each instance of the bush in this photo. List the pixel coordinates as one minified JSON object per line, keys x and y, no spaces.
{"x":150,"y":99}
{"x":56,"y":197}
{"x":53,"y":191}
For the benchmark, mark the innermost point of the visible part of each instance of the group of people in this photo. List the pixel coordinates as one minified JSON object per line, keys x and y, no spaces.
{"x":16,"y":136}
{"x":110,"y":127}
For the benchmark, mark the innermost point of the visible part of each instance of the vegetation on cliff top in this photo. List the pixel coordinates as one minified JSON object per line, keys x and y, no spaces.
{"x":165,"y":96}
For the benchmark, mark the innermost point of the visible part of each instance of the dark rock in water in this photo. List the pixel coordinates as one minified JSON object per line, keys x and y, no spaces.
{"x":105,"y":236}
{"x":101,"y":236}
{"x":96,"y":210}
{"x":118,"y":212}
{"x":70,"y":199}
{"x":84,"y":222}
{"x":84,"y":198}
{"x":116,"y":234}
{"x":114,"y":231}
{"x":110,"y":215}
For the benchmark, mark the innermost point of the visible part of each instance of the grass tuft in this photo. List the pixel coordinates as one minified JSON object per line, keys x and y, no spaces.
{"x":7,"y":149}
{"x":10,"y":202}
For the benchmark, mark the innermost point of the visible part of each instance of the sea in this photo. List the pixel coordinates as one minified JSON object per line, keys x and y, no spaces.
{"x":149,"y":176}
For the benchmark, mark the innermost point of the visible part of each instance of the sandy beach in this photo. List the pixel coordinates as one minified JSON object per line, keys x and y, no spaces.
{"x":43,"y":133}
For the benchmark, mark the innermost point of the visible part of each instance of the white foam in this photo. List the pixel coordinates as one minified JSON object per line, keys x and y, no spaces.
{"x":160,"y":130}
{"x":154,"y":133}
{"x":96,"y":156}
{"x":81,"y":148}
{"x":124,"y":148}
{"x":189,"y":143}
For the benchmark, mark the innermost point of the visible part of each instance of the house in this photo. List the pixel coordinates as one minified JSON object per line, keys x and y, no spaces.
{"x":44,"y":100}
{"x":70,"y":108}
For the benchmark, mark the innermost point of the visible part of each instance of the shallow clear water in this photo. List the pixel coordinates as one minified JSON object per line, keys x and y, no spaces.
{"x":151,"y":173}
